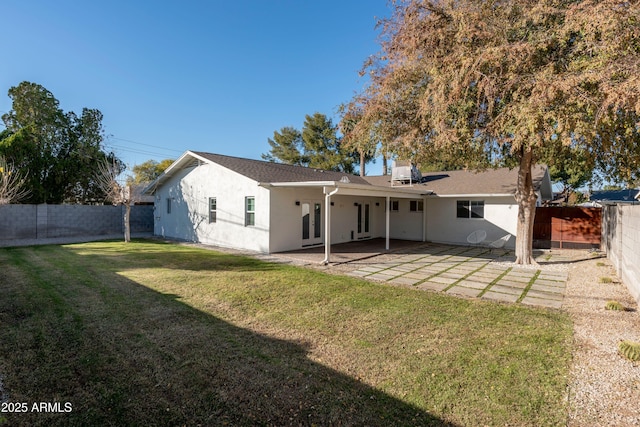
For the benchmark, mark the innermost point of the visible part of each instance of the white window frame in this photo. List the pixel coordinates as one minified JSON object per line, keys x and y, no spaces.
{"x":249,"y":215}
{"x":394,"y":205}
{"x":213,"y":210}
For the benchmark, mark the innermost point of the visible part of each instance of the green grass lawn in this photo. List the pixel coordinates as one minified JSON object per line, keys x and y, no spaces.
{"x":150,"y":333}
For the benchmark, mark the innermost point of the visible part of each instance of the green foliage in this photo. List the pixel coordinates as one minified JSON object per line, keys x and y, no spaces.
{"x":606,"y":280}
{"x":286,"y":147}
{"x":618,"y":141}
{"x":614,"y":306}
{"x":572,"y":166}
{"x":317,"y":146}
{"x":365,"y":144}
{"x":323,"y":147}
{"x":57,"y":151}
{"x":630,"y":350}
{"x":148,"y":171}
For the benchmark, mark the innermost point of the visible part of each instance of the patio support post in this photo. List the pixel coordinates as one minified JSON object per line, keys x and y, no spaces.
{"x":327,"y":224}
{"x":388,"y":211}
{"x":424,"y":219}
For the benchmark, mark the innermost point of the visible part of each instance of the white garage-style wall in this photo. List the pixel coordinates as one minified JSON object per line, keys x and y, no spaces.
{"x":189,"y":191}
{"x":443,"y":226}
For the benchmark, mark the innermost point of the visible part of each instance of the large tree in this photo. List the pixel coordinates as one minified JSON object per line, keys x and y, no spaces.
{"x":56,"y":151}
{"x":462,"y":76}
{"x":317,"y":146}
{"x":365,"y":144}
{"x":148,"y":171}
{"x":286,"y":147}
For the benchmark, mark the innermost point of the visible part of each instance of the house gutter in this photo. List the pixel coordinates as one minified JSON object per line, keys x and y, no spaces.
{"x":461,"y":196}
{"x":327,"y":223}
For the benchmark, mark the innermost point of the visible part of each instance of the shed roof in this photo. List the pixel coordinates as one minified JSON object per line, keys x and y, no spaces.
{"x":615,"y":196}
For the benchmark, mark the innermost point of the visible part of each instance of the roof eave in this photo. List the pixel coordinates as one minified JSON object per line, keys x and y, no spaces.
{"x":178,"y":164}
{"x":461,"y":195}
{"x":354,"y":187}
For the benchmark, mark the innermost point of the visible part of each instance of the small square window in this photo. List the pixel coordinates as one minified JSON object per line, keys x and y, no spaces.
{"x":416,"y":205}
{"x":250,"y":211}
{"x":395,"y":205}
{"x":213,"y":209}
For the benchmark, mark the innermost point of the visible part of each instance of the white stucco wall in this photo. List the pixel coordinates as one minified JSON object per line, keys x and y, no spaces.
{"x":190,"y":190}
{"x":500,"y":218}
{"x":404,"y":224}
{"x":278,"y":224}
{"x":286,"y":217}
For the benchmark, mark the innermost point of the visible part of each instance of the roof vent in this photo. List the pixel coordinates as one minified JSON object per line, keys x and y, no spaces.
{"x":345,"y":179}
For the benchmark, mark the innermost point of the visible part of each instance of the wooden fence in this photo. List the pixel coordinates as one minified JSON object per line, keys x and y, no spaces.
{"x":567,"y":227}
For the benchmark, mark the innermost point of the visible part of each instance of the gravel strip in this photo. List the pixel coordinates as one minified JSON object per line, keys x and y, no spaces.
{"x":604,"y":387}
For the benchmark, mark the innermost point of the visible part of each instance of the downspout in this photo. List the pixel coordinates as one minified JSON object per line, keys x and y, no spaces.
{"x":327,"y":224}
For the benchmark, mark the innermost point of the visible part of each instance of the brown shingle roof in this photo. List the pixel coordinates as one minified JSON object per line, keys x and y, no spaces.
{"x":492,"y":181}
{"x":262,"y":171}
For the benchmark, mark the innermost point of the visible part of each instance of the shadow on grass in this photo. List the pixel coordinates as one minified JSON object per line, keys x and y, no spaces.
{"x":123,"y":354}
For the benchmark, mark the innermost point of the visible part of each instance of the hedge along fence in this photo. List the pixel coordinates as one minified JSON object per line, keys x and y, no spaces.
{"x":621,"y":240}
{"x":52,"y":221}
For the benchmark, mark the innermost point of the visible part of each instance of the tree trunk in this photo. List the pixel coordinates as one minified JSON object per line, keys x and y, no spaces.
{"x":526,"y":198}
{"x":127,"y":229}
{"x":362,"y":159}
{"x":384,"y":164}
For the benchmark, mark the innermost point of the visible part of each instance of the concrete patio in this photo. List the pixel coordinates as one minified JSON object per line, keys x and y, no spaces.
{"x":475,"y":272}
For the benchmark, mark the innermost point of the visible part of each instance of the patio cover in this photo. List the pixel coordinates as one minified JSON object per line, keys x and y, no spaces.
{"x":346,"y":188}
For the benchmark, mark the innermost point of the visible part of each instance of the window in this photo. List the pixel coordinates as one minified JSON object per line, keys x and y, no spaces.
{"x":416,"y":205}
{"x":213,"y":210}
{"x":395,"y":205}
{"x":250,"y":211}
{"x":470,"y":209}
{"x":169,"y":205}
{"x":477,"y":209}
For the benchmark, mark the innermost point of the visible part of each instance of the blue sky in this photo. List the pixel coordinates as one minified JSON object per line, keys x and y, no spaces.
{"x":216,"y":76}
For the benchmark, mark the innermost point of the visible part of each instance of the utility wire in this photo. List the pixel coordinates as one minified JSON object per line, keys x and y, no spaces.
{"x":146,"y":145}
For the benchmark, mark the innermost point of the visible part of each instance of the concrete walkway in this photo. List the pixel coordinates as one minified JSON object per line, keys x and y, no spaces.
{"x":471,"y":272}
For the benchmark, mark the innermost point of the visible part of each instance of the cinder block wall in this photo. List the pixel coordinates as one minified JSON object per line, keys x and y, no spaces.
{"x":50,"y":221}
{"x":81,"y":220}
{"x":18,"y":222}
{"x":621,"y":240}
{"x":141,"y":219}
